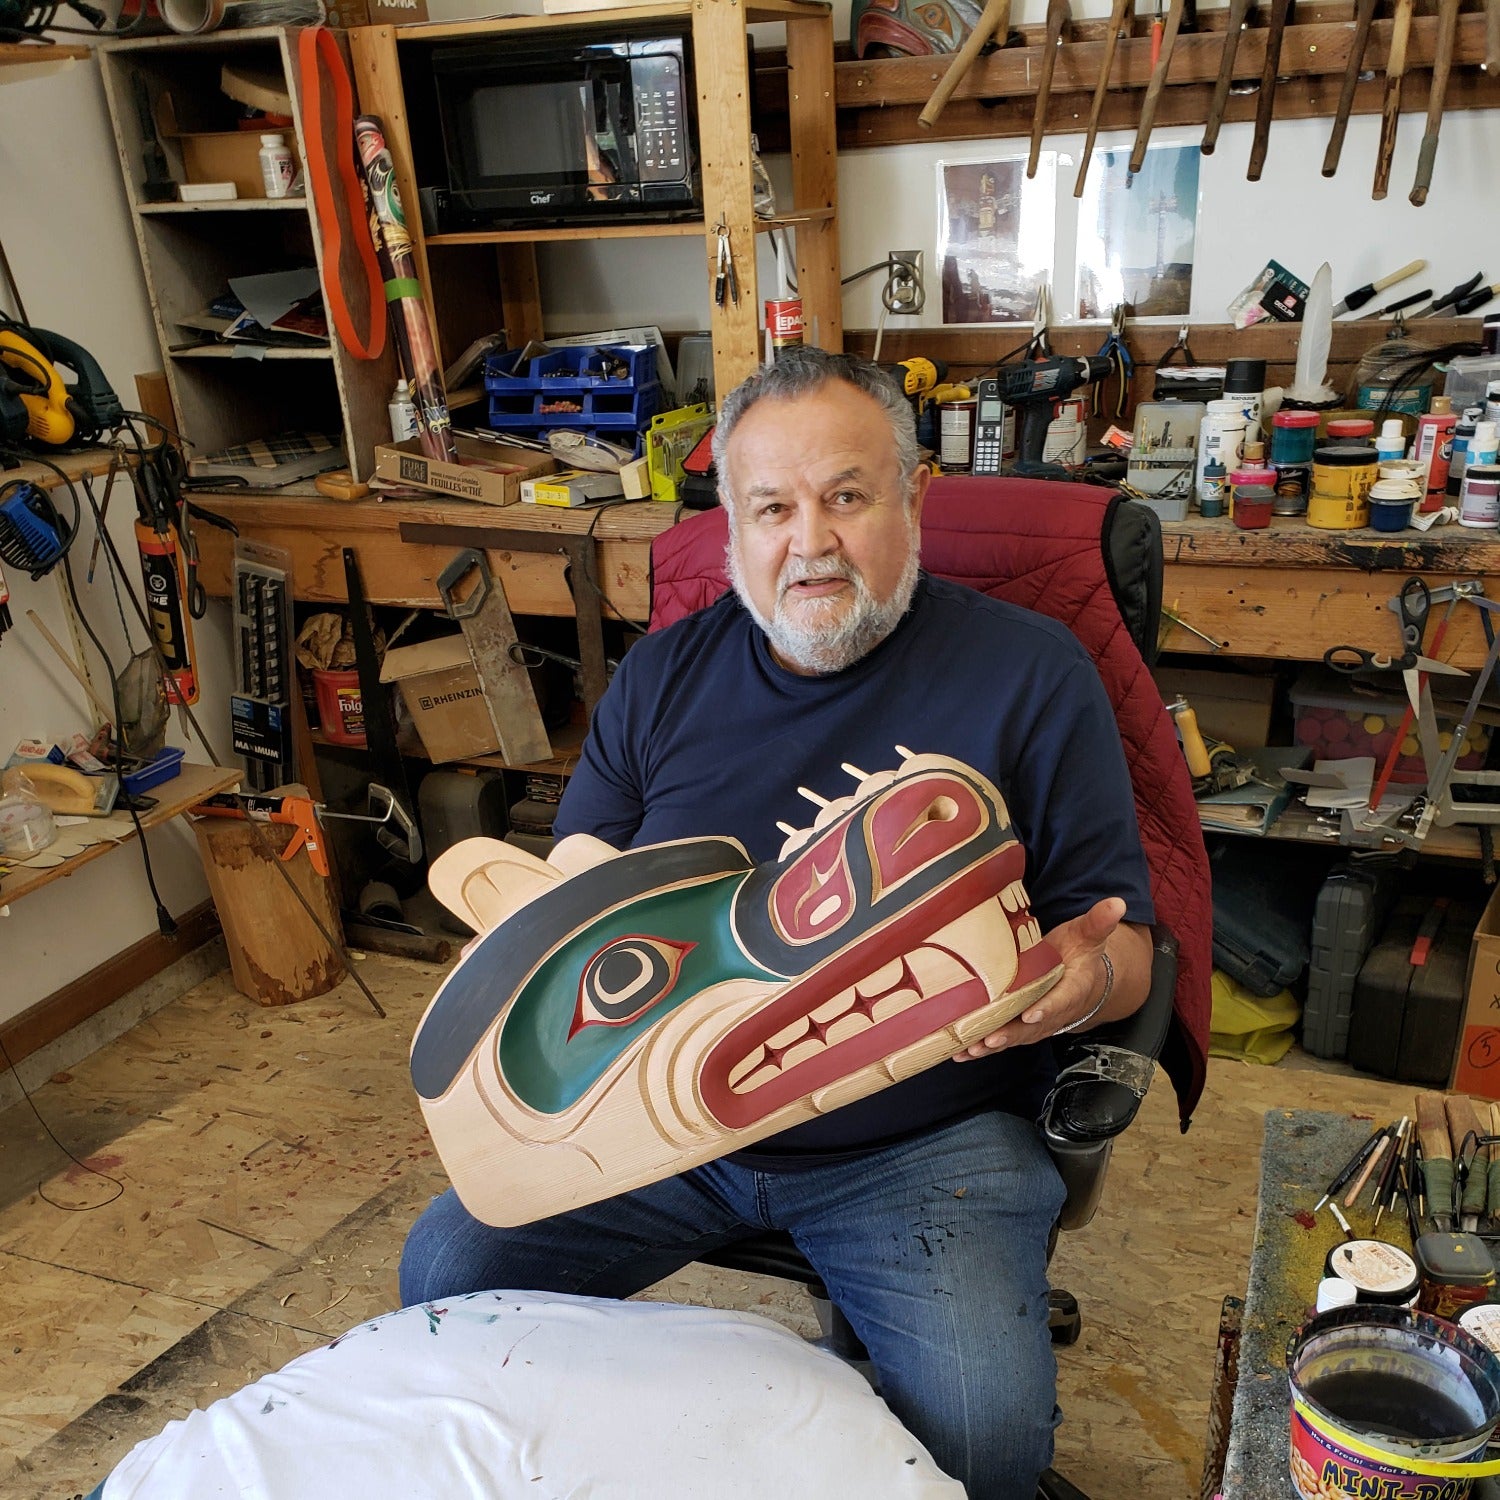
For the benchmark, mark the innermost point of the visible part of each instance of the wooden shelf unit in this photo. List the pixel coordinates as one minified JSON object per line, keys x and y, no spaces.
{"x":454,"y":266}
{"x":190,"y":250}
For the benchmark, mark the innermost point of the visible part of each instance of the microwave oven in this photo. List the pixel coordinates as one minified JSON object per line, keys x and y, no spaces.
{"x":557,"y":127}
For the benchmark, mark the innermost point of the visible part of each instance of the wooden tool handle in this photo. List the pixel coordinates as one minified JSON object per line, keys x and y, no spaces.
{"x":106,"y":713}
{"x":1057,"y":13}
{"x":1390,"y":115}
{"x":1158,"y":82}
{"x":1117,"y":19}
{"x":1442,"y":64}
{"x":1381,"y":1147}
{"x":994,"y":20}
{"x":1364,"y":14}
{"x":1238,"y":10}
{"x":1432,"y":1128}
{"x":1267,"y":100}
{"x":1461,"y":1120}
{"x":1492,"y":37}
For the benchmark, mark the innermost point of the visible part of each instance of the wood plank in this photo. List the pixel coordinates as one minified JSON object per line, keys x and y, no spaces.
{"x":677,"y":228}
{"x":30,"y":54}
{"x":404,"y":573}
{"x":92,"y":461}
{"x":1295,"y":613}
{"x":105,"y":983}
{"x":815,"y":176}
{"x":520,"y":295}
{"x":720,"y":67}
{"x":174,"y":797}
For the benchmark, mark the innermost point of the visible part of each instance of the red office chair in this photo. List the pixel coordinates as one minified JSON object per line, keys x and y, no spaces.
{"x":1092,"y":560}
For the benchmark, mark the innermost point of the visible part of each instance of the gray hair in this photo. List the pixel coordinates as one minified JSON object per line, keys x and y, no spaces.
{"x":800,"y":372}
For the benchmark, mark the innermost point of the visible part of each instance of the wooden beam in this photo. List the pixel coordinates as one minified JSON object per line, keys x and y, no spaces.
{"x":90,"y":993}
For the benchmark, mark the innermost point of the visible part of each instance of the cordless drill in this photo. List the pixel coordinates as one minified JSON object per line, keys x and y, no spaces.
{"x":1034,"y":389}
{"x":915,"y":377}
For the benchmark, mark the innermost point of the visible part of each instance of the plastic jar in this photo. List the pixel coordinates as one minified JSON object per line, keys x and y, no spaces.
{"x":1342,"y":474}
{"x":1252,"y":476}
{"x":1220,"y":434}
{"x":1382,"y":1274}
{"x":1479,"y":497}
{"x":1350,"y":430}
{"x":1253,"y":506}
{"x":1483,"y":1323}
{"x":277,"y":168}
{"x":1392,"y":502}
{"x":26,"y":825}
{"x":1293,"y":436}
{"x":1334,"y":1291}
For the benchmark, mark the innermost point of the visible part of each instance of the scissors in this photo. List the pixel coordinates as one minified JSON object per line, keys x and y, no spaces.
{"x":1413,"y":605}
{"x":1121,"y":365}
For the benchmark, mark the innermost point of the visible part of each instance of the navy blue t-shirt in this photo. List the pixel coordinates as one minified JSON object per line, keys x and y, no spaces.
{"x":703,"y":732}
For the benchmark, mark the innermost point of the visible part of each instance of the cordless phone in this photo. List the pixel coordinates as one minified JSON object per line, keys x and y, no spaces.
{"x":989,"y":429}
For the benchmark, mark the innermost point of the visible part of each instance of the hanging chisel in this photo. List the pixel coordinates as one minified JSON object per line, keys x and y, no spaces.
{"x":1117,"y":19}
{"x":1390,"y":114}
{"x":1437,"y":92}
{"x":994,"y":21}
{"x":1158,"y":82}
{"x":1470,"y":301}
{"x":1451,"y":299}
{"x":1057,"y":16}
{"x":1275,"y":31}
{"x":1437,"y":1159}
{"x":1362,"y":294}
{"x":1238,"y":10}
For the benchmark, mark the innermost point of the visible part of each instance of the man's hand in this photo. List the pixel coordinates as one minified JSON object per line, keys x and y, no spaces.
{"x":1080,"y":943}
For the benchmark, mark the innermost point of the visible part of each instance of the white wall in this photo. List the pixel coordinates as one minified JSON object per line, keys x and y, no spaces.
{"x":67,"y":233}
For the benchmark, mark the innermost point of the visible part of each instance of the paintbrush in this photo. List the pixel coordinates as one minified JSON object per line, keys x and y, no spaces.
{"x":1384,"y":1187}
{"x":1349,"y":1168}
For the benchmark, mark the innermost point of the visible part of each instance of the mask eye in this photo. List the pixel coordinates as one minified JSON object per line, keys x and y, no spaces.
{"x":625,"y":978}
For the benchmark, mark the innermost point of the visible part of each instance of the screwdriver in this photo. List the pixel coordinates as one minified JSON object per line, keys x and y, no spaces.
{"x":1360,"y":295}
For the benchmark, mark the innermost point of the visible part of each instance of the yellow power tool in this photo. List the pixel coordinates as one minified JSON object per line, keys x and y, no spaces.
{"x":32,"y":378}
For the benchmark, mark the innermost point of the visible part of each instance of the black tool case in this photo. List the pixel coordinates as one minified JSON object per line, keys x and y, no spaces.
{"x":1351,"y":909}
{"x":1264,"y":895}
{"x":1409,"y":997}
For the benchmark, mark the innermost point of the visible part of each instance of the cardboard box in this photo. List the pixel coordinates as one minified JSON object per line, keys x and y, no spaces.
{"x":1476,"y":1068}
{"x":441,"y":690}
{"x":488,"y":472}
{"x":1230,"y":706}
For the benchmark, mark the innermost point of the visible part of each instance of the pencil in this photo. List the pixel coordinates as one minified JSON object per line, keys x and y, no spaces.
{"x":1350,"y":1167}
{"x":1370,"y":1165}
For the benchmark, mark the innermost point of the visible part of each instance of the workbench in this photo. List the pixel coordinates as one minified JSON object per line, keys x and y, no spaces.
{"x":1286,"y":593}
{"x":1302,"y":1154}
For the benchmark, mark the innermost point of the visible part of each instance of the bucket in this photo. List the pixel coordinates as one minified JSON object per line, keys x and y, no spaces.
{"x":1385,"y":1402}
{"x":340,"y":708}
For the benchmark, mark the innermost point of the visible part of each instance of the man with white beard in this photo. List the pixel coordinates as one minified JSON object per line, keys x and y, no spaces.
{"x":925,"y":1208}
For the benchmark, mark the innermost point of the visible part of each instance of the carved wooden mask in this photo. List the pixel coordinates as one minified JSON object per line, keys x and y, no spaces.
{"x":626,"y":1016}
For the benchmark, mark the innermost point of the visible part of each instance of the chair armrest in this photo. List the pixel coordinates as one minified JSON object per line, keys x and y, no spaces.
{"x":1103,"y":1074}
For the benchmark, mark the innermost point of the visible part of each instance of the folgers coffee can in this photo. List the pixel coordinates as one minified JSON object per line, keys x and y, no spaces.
{"x":1457,"y":1271}
{"x":784,"y":323}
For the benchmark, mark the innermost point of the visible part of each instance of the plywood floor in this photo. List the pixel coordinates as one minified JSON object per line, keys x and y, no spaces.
{"x":270,"y":1162}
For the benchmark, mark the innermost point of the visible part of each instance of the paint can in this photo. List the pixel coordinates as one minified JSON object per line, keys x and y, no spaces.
{"x":1342,"y":474}
{"x":784,"y":324}
{"x":1385,"y":1401}
{"x":1483,"y":1323}
{"x":1381,"y":1274}
{"x":956,"y":436}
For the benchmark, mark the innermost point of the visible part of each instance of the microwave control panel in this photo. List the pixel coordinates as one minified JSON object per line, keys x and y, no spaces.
{"x":661,"y":143}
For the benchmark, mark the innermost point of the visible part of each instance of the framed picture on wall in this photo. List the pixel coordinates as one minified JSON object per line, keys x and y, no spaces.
{"x":995,"y":237}
{"x":1136,"y":234}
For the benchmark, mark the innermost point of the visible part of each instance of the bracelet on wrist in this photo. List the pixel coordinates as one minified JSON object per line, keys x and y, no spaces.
{"x":1109,"y":985}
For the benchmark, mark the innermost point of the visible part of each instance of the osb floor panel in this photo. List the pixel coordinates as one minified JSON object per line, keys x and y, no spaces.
{"x":271,"y":1161}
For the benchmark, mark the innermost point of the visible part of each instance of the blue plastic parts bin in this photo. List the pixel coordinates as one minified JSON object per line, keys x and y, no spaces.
{"x":610,"y":406}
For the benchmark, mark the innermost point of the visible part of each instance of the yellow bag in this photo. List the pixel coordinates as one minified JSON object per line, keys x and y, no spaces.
{"x":1249,"y":1027}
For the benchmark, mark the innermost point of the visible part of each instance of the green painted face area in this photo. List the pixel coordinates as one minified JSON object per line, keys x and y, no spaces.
{"x":550,"y":1070}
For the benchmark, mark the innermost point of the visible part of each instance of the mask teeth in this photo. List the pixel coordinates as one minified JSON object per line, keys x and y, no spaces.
{"x":854,"y":771}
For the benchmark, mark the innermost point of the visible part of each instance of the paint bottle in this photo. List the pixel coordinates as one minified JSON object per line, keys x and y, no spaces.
{"x":276,"y":166}
{"x":1479,"y":497}
{"x":1492,"y":402}
{"x":1434,"y":447}
{"x":1482,"y":444}
{"x":1221,"y":434}
{"x":1334,"y":1291}
{"x":1391,"y":443}
{"x":402,"y":411}
{"x":1211,"y":488}
{"x":1463,"y":435}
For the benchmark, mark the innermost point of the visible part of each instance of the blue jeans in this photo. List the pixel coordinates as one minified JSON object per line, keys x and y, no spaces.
{"x":935,"y":1250}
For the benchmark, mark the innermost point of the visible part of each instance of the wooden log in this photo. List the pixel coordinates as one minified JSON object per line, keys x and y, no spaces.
{"x":276,"y":954}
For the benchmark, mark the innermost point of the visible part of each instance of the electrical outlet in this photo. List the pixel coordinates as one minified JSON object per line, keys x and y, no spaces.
{"x":904,"y":291}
